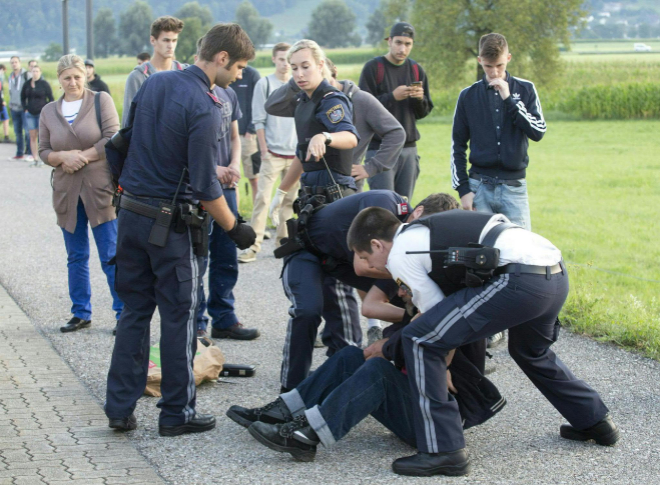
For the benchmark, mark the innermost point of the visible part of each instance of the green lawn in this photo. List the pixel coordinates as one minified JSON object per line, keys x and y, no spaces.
{"x":595,"y":192}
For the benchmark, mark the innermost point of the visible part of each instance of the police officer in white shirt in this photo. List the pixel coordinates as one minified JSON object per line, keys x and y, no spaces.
{"x":460,"y":303}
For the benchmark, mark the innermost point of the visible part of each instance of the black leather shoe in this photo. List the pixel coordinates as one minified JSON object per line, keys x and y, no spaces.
{"x":75,"y":324}
{"x":453,"y":464}
{"x":198,"y":424}
{"x":236,"y":332}
{"x":297,"y":437}
{"x":124,"y":424}
{"x":604,"y":432}
{"x":275,"y":412}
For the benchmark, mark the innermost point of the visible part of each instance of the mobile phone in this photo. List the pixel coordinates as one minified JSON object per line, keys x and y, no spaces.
{"x":416,"y":84}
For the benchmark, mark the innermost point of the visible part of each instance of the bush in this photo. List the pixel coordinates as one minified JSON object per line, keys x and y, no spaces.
{"x":619,"y":102}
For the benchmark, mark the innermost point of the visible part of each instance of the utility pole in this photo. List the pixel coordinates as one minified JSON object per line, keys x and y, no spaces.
{"x":90,"y":30}
{"x":65,"y":26}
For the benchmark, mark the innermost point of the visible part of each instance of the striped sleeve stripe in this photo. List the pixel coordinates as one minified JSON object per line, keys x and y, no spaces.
{"x":538,"y":101}
{"x":539,"y":125}
{"x":454,"y":174}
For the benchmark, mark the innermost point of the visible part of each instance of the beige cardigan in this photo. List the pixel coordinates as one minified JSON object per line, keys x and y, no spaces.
{"x":92,"y":183}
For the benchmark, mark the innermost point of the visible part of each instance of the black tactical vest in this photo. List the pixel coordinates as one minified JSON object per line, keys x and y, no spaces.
{"x":454,"y":228}
{"x":307,"y":126}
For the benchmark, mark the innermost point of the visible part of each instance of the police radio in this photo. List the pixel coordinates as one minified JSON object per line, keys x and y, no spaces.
{"x":161,"y":229}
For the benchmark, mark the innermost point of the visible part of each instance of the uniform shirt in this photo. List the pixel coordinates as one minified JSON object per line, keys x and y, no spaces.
{"x":231,"y":112}
{"x":515,"y":245}
{"x":328,"y":228}
{"x":498,"y":131}
{"x":245,"y":91}
{"x":335,"y":113}
{"x":176,"y":124}
{"x":406,"y":111}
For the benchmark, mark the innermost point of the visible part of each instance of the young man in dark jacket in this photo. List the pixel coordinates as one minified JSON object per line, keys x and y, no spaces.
{"x":497,"y":116}
{"x":93,"y":79}
{"x":401,"y":85}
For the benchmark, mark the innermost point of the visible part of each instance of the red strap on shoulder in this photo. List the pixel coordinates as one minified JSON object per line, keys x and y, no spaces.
{"x":380,"y":72}
{"x":145,"y":71}
{"x":415,"y":69}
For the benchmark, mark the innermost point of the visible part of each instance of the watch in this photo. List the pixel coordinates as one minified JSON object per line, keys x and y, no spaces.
{"x":328,"y":137}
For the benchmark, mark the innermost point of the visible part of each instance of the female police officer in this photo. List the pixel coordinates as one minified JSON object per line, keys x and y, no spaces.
{"x":326,"y":138}
{"x":323,"y":122}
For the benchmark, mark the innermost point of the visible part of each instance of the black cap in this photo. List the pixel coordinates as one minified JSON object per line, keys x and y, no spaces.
{"x":403,"y":29}
{"x":89,"y":62}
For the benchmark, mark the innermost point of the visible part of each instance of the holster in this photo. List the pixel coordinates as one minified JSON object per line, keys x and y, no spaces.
{"x":197,"y":220}
{"x":289,"y":244}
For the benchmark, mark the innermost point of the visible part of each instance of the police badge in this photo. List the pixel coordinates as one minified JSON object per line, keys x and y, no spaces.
{"x":335,"y":114}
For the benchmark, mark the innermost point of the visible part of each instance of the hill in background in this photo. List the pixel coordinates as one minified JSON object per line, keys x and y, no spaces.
{"x":36,"y":23}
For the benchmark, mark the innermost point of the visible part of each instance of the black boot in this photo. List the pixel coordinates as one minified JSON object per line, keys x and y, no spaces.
{"x":75,"y":324}
{"x":275,"y":412}
{"x":296,"y":437}
{"x":123,"y":424}
{"x":198,"y":424}
{"x":604,"y":432}
{"x":453,"y":464}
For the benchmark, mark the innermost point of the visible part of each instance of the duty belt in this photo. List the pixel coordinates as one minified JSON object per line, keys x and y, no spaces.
{"x":495,"y":180}
{"x":518,"y":268}
{"x":141,"y":208}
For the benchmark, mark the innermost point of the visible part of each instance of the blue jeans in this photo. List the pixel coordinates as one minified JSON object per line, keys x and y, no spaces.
{"x":18,"y":117}
{"x":223,"y":272}
{"x":402,"y":177}
{"x":346,"y":389}
{"x":77,"y":249}
{"x":495,"y":198}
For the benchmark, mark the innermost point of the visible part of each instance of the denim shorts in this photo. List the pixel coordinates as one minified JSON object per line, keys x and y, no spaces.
{"x":4,"y":116}
{"x":32,"y":121}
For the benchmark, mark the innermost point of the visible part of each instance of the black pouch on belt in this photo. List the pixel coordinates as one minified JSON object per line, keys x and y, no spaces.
{"x":161,"y":228}
{"x":200,"y":237}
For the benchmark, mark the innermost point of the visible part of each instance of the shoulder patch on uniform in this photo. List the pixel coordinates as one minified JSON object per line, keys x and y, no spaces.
{"x":336,"y":113}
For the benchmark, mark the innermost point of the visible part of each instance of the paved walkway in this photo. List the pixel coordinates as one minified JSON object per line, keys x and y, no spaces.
{"x":51,"y":429}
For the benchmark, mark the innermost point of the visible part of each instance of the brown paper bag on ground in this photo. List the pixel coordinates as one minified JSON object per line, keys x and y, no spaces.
{"x":206,"y":367}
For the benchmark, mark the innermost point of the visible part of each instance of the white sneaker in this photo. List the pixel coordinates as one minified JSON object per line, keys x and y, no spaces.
{"x":247,"y":256}
{"x":28,"y":158}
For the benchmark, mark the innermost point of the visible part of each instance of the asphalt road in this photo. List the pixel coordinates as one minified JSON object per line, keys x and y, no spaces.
{"x":520,"y":445}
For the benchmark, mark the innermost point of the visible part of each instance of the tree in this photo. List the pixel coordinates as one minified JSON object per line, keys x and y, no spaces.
{"x":376,"y":27}
{"x":53,"y":52}
{"x":105,"y":33}
{"x":134,"y":28}
{"x":257,"y":28}
{"x":333,"y":25}
{"x":186,"y":47}
{"x":194,"y":10}
{"x":448,"y":33}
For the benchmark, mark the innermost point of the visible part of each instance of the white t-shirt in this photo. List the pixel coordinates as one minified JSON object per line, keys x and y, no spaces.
{"x":515,"y":245}
{"x":70,"y":110}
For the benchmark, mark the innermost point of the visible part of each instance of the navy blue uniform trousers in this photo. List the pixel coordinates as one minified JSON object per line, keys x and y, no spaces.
{"x":313,"y":294}
{"x":527,"y":305}
{"x":147,"y":277}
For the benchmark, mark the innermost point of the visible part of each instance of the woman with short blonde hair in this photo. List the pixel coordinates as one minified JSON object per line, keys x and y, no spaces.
{"x":73,"y":133}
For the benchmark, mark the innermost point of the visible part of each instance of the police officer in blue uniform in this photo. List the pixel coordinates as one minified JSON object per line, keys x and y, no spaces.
{"x":319,"y":251}
{"x":170,"y":166}
{"x":326,"y":138}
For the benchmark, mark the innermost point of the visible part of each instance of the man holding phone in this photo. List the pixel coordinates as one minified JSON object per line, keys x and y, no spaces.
{"x":401,"y":85}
